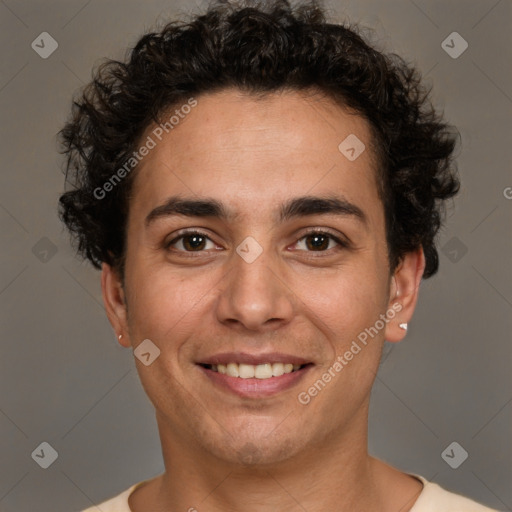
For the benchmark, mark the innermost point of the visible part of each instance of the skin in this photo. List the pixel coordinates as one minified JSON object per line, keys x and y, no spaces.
{"x":227,"y":453}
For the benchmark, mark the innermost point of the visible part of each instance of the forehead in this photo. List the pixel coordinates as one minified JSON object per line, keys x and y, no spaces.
{"x":252,"y":151}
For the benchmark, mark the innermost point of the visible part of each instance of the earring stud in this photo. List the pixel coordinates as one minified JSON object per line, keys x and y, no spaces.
{"x":403,"y":326}
{"x":119,"y":337}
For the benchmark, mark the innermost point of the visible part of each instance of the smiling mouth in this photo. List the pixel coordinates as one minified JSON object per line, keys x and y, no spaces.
{"x":249,"y":371}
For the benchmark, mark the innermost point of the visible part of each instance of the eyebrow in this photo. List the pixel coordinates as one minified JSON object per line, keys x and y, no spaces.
{"x":293,"y":208}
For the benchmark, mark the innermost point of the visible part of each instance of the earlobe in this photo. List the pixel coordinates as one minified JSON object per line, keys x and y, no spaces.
{"x":114,"y":300}
{"x":404,"y":290}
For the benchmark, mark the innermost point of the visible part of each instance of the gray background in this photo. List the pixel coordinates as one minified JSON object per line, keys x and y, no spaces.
{"x":66,"y":381}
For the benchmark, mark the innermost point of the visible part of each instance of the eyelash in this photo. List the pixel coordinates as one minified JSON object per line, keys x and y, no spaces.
{"x":184,"y":234}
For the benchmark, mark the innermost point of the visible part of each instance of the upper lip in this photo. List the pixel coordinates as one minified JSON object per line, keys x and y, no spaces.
{"x":253,"y":359}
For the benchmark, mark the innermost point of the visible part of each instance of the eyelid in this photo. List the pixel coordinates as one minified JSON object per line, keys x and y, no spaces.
{"x":339,"y":237}
{"x":342,"y":241}
{"x":187,"y":232}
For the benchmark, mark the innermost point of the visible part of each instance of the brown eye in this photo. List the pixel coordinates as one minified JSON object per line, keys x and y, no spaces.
{"x":191,"y":242}
{"x":319,"y":241}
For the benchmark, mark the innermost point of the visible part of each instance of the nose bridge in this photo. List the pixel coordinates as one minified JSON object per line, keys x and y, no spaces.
{"x":253,"y":294}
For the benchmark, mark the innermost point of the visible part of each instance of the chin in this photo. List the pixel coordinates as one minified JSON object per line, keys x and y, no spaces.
{"x":254,"y":451}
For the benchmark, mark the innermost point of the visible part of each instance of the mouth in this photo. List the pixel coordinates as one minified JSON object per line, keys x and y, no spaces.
{"x":254,"y":376}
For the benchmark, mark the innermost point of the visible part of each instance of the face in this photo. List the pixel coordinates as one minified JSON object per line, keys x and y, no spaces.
{"x":254,"y":243}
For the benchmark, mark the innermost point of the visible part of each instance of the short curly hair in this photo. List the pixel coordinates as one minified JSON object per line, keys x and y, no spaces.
{"x":259,"y":48}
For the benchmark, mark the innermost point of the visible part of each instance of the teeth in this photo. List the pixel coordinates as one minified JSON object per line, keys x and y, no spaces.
{"x":263,"y":371}
{"x":277,"y":369}
{"x":232,"y":370}
{"x":260,"y":371}
{"x":246,"y":371}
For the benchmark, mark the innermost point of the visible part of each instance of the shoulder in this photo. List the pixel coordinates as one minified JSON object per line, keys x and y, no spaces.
{"x":434,"y":498}
{"x":118,"y":503}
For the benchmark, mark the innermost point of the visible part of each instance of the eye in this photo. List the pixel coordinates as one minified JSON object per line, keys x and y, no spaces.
{"x":191,"y":241}
{"x":319,"y":241}
{"x":314,"y":241}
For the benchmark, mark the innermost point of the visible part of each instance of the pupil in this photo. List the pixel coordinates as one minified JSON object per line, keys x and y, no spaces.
{"x":194,"y":241}
{"x":319,"y":241}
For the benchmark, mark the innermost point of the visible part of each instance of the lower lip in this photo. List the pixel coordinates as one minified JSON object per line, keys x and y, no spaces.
{"x":256,"y":388}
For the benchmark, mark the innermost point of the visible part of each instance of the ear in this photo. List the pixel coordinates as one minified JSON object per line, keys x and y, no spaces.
{"x":404,"y":289}
{"x":114,"y":300}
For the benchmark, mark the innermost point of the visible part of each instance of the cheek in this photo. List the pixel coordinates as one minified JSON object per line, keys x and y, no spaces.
{"x":165,"y":304}
{"x":347,"y":300}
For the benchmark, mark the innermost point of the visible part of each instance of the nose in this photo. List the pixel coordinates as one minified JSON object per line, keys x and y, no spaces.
{"x":254,"y":296}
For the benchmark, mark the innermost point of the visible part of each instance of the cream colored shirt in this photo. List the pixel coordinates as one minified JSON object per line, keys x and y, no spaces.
{"x":432,"y":498}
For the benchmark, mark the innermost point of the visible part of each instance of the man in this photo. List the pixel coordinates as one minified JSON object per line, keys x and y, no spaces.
{"x":262,"y":191}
